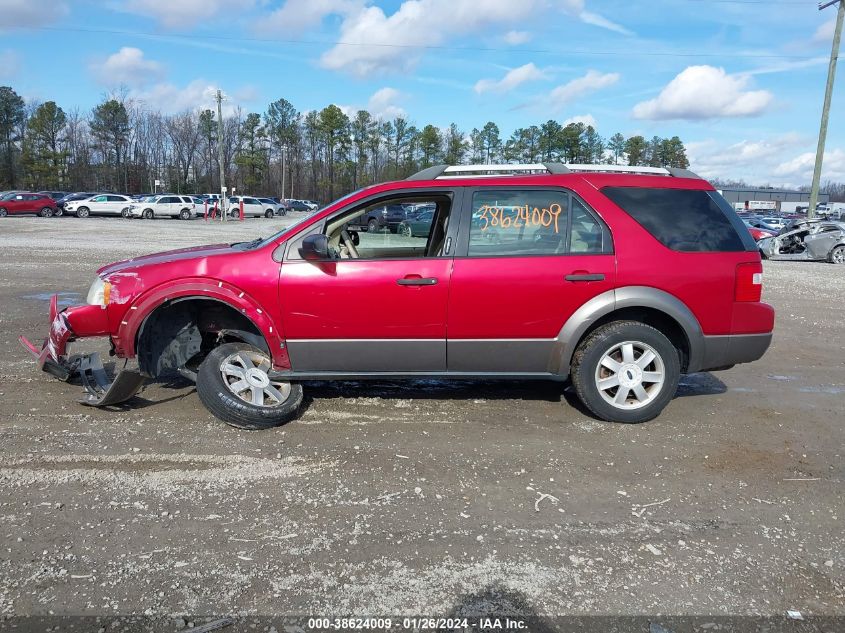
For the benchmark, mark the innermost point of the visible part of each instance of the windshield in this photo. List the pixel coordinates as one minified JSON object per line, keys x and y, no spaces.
{"x":260,"y":242}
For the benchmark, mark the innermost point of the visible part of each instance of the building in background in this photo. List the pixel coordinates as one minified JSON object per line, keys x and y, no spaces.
{"x":768,"y":200}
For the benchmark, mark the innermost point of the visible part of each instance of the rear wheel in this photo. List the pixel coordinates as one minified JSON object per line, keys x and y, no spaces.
{"x":837,"y":255}
{"x":234,"y":384}
{"x":82,"y":212}
{"x":125,"y":213}
{"x":148,"y":214}
{"x":372,"y":226}
{"x":268,"y":213}
{"x":626,"y":371}
{"x":46,"y":212}
{"x":184,"y":214}
{"x":3,"y":212}
{"x":405,"y":230}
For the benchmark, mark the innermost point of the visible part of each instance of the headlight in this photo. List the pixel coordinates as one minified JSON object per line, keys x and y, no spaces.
{"x":98,"y":294}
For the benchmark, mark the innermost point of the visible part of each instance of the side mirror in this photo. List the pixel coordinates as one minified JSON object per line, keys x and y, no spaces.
{"x":315,"y":248}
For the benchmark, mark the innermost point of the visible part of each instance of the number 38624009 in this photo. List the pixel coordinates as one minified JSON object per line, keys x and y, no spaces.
{"x":516,"y":216}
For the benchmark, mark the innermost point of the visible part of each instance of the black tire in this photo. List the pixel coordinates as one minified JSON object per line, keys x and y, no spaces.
{"x":82,"y":212}
{"x":58,"y":213}
{"x":590,"y":352}
{"x":406,"y":230}
{"x":125,"y":213}
{"x":837,"y":255}
{"x":222,"y":402}
{"x":184,"y":214}
{"x":268,"y":213}
{"x":46,"y":212}
{"x":372,"y":226}
{"x":148,"y":214}
{"x":235,"y":214}
{"x":3,"y":212}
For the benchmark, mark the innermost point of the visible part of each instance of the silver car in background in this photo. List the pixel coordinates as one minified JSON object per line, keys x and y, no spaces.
{"x":807,"y":240}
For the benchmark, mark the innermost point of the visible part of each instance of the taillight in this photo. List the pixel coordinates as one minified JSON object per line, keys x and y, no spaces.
{"x":749,"y":282}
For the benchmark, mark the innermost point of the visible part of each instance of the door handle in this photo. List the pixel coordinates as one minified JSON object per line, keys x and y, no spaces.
{"x":417,"y":281}
{"x":585,"y":277}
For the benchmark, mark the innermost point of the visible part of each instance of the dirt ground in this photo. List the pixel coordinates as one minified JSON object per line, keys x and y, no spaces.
{"x":422,"y":498}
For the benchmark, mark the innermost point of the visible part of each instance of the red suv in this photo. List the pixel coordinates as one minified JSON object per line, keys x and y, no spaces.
{"x":23,"y":202}
{"x":620,"y":279}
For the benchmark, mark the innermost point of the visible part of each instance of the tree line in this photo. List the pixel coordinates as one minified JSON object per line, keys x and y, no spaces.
{"x":123,"y":145}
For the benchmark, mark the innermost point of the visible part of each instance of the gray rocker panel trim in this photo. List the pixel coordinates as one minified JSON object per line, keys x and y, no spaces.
{"x":617,"y":299}
{"x":733,"y":349}
{"x":367,"y":355}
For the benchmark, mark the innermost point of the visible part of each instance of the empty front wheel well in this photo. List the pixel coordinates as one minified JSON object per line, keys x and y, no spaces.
{"x":180,"y":334}
{"x":656,"y":319}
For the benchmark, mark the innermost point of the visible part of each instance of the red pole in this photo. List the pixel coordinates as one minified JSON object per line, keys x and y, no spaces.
{"x":205,"y":211}
{"x":242,"y":209}
{"x":214,"y":213}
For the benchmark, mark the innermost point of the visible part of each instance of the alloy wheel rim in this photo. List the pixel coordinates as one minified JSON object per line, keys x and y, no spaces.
{"x":245,"y":374}
{"x":839,"y":256}
{"x":630,"y":375}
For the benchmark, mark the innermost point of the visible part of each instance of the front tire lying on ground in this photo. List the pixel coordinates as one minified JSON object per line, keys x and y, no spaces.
{"x":233,"y":384}
{"x":626,"y":371}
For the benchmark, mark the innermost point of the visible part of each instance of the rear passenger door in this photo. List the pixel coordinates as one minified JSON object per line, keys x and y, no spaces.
{"x":527,"y":259}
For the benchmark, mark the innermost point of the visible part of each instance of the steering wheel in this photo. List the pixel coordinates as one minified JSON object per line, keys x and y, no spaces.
{"x":350,"y":245}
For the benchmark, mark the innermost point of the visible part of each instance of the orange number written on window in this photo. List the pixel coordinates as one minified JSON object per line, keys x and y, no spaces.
{"x":518,"y":216}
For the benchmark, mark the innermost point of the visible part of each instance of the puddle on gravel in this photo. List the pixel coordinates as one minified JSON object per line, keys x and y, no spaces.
{"x":65,"y":297}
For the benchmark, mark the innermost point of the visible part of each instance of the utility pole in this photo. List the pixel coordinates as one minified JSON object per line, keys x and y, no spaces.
{"x":223,"y":211}
{"x":284,"y":152}
{"x":828,"y":93}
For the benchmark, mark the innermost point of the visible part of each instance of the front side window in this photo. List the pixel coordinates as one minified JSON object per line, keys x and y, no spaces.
{"x":398,"y":235}
{"x":531,"y":222}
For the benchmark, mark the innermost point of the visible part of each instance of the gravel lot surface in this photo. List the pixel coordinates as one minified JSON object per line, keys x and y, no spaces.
{"x":428,"y":497}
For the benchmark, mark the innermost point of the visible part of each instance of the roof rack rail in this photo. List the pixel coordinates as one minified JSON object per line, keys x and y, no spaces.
{"x":441,"y":172}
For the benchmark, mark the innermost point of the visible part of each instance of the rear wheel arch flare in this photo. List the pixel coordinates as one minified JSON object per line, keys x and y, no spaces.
{"x":635,"y":303}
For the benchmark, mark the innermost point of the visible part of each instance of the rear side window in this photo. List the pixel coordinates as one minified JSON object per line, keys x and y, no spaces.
{"x":684,"y":220}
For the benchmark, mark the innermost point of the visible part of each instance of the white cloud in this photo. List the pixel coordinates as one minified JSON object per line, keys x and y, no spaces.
{"x":15,"y":14}
{"x":382,"y":104}
{"x":127,"y":67}
{"x":10,"y":64}
{"x":395,"y":42}
{"x":515,"y":38}
{"x":568,"y":92}
{"x":705,"y":92}
{"x":186,"y":13}
{"x":513,"y":79}
{"x":824,"y":34}
{"x":198,"y":94}
{"x":300,"y":15}
{"x":586,"y":119}
{"x":754,"y":160}
{"x":800,"y":168}
{"x":578,"y":9}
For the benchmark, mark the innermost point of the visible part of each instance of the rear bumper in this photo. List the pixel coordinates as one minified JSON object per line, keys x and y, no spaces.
{"x":726,"y":351}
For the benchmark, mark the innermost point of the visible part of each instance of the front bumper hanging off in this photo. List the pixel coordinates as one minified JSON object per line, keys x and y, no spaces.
{"x":79,"y":322}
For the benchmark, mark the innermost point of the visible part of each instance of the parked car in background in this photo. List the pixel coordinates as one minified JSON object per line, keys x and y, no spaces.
{"x":273,"y":207}
{"x":758,"y":234}
{"x":298,"y":205}
{"x":27,"y":203}
{"x":73,"y":197}
{"x":776,"y":223}
{"x":56,"y":196}
{"x":166,"y":205}
{"x":388,"y":217}
{"x":102,"y":204}
{"x":807,"y":240}
{"x":419,"y":224}
{"x":253,"y":208}
{"x":758,"y":223}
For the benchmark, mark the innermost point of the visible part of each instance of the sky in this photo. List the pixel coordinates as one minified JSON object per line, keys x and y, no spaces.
{"x":740,"y":81}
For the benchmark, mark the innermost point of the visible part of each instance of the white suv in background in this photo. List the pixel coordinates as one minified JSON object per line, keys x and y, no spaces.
{"x":252,"y":207}
{"x":101,"y":204}
{"x":164,"y":206}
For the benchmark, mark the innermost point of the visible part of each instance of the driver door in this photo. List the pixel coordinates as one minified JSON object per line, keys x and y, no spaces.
{"x":378,"y":307}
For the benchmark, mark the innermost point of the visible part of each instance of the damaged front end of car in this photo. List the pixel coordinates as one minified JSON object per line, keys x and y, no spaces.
{"x":78,"y":322}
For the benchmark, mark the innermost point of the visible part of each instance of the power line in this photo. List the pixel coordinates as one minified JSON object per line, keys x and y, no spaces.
{"x":584,"y":52}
